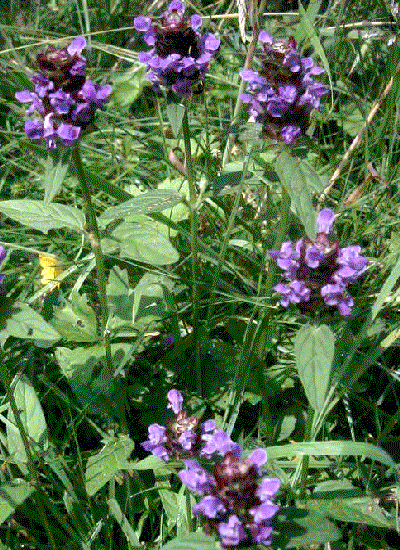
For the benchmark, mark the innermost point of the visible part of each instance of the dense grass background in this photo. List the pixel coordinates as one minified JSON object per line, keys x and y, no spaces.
{"x":233,"y":354}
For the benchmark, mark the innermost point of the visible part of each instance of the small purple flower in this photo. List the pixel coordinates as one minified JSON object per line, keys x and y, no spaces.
{"x":283,"y":93}
{"x":64,"y":99}
{"x":238,"y":508}
{"x":179,"y":55}
{"x":184,"y":437}
{"x":319,"y":271}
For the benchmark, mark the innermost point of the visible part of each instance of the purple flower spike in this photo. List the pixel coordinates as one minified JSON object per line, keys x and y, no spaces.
{"x":283,"y":94}
{"x":238,"y":509}
{"x":179,"y":55}
{"x":64,"y":99}
{"x":319,"y":271}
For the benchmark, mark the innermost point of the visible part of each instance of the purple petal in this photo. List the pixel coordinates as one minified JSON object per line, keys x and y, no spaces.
{"x":210,"y":506}
{"x":76,"y":46}
{"x":175,"y":401}
{"x":34,"y":128}
{"x":325,"y":220}
{"x":141,"y":23}
{"x":231,"y":532}
{"x":196,"y":21}
{"x":68,"y":134}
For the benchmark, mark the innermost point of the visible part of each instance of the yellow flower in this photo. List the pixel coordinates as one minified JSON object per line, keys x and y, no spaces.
{"x":50,"y":270}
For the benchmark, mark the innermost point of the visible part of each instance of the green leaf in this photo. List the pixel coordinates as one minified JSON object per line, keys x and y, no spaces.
{"x":120,"y":295}
{"x":143,"y":243}
{"x":340,"y":500}
{"x":149,"y":304}
{"x":90,"y":378}
{"x":333,"y":448}
{"x":76,"y":321}
{"x":42,"y":216}
{"x":175,"y":113}
{"x":155,"y":200}
{"x":295,"y":177}
{"x":295,"y":527}
{"x":102,"y":467}
{"x":191,"y":541}
{"x":128,"y":86}
{"x":386,"y":289}
{"x":19,"y":320}
{"x":314,"y":349}
{"x":12,"y":494}
{"x":116,"y":512}
{"x":32,"y":418}
{"x":55,"y":172}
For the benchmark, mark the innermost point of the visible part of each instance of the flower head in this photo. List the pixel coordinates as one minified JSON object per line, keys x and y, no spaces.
{"x":63,"y":98}
{"x":238,"y":506}
{"x":184,"y":436}
{"x":319,"y":271}
{"x":283,"y":93}
{"x":179,"y":55}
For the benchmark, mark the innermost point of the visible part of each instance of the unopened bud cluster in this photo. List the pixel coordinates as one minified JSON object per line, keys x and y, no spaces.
{"x":237,"y":503}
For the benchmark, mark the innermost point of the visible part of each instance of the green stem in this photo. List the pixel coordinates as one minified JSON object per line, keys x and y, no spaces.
{"x":193,"y":243}
{"x":306,"y":459}
{"x":225,"y":242}
{"x":164,"y":140}
{"x":94,"y":238}
{"x":33,"y":473}
{"x":263,"y":334}
{"x":247,"y":63}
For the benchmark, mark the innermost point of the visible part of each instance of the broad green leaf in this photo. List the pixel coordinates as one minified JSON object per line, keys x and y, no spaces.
{"x":42,"y":216}
{"x":151,"y":462}
{"x":191,"y":541}
{"x":19,"y":320}
{"x":296,"y":527}
{"x":32,"y":418}
{"x":128,"y":86}
{"x":149,"y":303}
{"x":175,"y":113}
{"x":340,"y":500}
{"x":75,"y":320}
{"x":386,"y":289}
{"x":56,"y":169}
{"x":116,"y":512}
{"x":120,"y":295}
{"x":90,"y":378}
{"x":155,"y":200}
{"x":104,"y":465}
{"x":314,"y":349}
{"x":12,"y":494}
{"x":143,"y":243}
{"x":295,"y":177}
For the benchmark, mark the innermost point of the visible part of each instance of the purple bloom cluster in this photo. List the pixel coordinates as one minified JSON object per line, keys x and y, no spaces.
{"x":283,"y":93}
{"x":238,"y":508}
{"x":3,"y":254}
{"x":179,"y":55}
{"x":64,"y":100}
{"x":185,"y":437}
{"x":319,"y":271}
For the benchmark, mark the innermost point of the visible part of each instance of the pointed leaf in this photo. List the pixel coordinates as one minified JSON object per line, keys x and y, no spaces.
{"x":191,"y":541}
{"x":55,"y":172}
{"x":32,"y":418}
{"x":175,"y":112}
{"x":102,"y":467}
{"x":19,"y":320}
{"x":295,"y":527}
{"x":116,"y":512}
{"x":296,"y":180}
{"x":42,"y":216}
{"x":152,"y":201}
{"x":314,"y":350}
{"x":12,"y":494}
{"x":143,"y":243}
